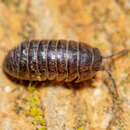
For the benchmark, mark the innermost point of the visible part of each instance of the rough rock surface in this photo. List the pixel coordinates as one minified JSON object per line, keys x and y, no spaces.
{"x":101,"y":23}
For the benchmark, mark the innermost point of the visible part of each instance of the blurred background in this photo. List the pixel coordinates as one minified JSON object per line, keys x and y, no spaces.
{"x":104,"y":24}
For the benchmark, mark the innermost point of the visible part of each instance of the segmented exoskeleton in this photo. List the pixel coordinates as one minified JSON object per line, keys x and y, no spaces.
{"x":59,"y":60}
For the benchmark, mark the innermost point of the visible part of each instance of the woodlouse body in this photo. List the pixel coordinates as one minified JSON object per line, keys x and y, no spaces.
{"x":59,"y":60}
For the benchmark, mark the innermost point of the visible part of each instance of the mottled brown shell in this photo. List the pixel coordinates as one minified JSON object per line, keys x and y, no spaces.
{"x":59,"y":60}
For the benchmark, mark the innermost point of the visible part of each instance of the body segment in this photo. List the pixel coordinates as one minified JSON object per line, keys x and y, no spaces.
{"x":59,"y":60}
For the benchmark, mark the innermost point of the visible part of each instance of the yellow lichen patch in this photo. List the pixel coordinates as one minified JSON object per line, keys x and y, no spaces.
{"x":34,"y":110}
{"x":80,"y":128}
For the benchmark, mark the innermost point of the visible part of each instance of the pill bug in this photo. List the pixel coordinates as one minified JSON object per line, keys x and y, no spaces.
{"x":61,"y":60}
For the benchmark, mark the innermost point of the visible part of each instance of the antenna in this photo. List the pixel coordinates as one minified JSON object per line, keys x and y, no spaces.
{"x":118,"y":53}
{"x":109,"y":73}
